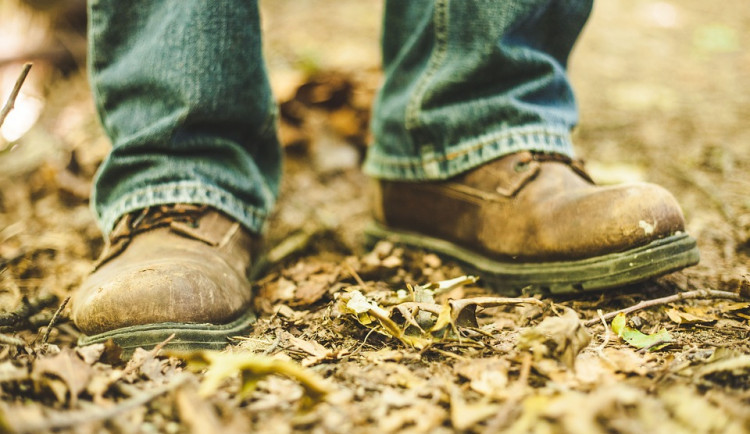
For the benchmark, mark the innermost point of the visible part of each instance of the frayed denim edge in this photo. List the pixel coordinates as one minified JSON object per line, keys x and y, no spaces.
{"x":251,"y":218}
{"x":436,"y":165}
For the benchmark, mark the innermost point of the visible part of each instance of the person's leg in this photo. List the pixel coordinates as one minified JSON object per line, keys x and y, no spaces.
{"x":476,"y":99}
{"x":182,"y":92}
{"x":469,"y":81}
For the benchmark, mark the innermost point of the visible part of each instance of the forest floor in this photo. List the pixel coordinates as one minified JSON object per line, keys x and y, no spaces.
{"x":663,"y":92}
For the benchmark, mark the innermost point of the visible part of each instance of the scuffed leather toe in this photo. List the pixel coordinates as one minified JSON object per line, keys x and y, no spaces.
{"x":168,"y":273}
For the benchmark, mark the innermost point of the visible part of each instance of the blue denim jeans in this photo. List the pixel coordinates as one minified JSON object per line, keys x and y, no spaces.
{"x":182,"y":91}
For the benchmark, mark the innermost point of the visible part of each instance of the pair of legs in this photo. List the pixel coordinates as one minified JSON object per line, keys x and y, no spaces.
{"x":472,"y":152}
{"x":183,"y":93}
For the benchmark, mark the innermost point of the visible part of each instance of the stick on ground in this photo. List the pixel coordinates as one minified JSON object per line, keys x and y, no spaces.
{"x":54,"y":319}
{"x":689,"y":295}
{"x":14,"y":93}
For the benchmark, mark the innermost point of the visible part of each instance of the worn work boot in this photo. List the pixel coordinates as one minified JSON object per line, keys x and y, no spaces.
{"x":537,"y":223}
{"x":178,"y":269}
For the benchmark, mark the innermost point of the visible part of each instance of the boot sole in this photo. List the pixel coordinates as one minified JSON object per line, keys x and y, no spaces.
{"x":613,"y":270}
{"x":187,"y":336}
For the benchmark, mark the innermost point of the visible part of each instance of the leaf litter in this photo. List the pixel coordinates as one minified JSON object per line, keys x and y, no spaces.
{"x":357,"y":340}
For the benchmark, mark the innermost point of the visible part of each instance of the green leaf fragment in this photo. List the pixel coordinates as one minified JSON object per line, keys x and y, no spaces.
{"x":635,"y":338}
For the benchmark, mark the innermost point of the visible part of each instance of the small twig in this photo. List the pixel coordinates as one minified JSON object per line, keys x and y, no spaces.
{"x":155,"y":351}
{"x":59,"y":420}
{"x":54,"y":319}
{"x":689,"y":295}
{"x":364,"y":341}
{"x":10,"y":103}
{"x":447,"y":354}
{"x":355,"y":275}
{"x":10,"y":340}
{"x":274,"y":345}
{"x":600,"y":348}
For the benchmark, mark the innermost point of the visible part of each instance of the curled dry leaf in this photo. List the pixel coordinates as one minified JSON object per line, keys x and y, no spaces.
{"x":682,"y":317}
{"x":560,"y":338}
{"x":415,"y":319}
{"x":368,"y":312}
{"x":251,"y":368}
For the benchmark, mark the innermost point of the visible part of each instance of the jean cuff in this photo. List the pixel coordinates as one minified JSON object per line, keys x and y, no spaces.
{"x":433,"y":164}
{"x":191,"y":192}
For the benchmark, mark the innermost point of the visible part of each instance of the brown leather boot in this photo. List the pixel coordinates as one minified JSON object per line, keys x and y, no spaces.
{"x":178,"y":269}
{"x":537,"y":223}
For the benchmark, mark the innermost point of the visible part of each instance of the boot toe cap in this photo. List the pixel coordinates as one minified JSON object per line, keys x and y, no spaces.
{"x":159,"y":292}
{"x":619,"y":218}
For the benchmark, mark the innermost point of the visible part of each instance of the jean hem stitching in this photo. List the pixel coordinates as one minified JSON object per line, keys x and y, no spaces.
{"x":251,"y":217}
{"x":471,"y":153}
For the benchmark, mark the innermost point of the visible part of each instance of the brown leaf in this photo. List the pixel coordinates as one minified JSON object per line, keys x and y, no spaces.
{"x":316,"y":351}
{"x":91,"y":353}
{"x":67,"y":366}
{"x":465,"y":415}
{"x":112,"y":354}
{"x":680,"y":317}
{"x":487,"y":376}
{"x":560,"y":338}
{"x":313,"y":289}
{"x":198,"y":414}
{"x":10,"y":372}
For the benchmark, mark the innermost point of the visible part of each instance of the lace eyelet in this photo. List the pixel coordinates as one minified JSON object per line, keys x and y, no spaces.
{"x":521,"y":166}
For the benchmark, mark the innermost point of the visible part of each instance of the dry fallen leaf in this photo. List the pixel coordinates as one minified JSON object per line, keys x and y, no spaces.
{"x":560,"y":338}
{"x":486,"y":376}
{"x":10,"y":372}
{"x":198,"y":414}
{"x":465,"y":415}
{"x":681,"y":317}
{"x":68,"y":367}
{"x":91,"y":353}
{"x":251,"y":368}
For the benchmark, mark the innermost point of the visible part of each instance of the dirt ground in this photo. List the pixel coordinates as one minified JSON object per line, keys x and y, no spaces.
{"x":339,"y":345}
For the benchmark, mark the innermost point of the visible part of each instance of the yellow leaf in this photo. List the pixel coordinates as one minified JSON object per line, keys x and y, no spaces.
{"x":681,"y":317}
{"x":251,"y":368}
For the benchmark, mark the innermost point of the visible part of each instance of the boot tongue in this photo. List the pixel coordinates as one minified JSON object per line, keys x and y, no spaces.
{"x":183,"y":219}
{"x":504,"y":176}
{"x":507,"y":175}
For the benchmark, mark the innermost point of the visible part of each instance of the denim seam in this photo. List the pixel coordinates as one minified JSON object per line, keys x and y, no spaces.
{"x":439,"y":52}
{"x":90,"y":61}
{"x":468,"y":147}
{"x":437,"y":166}
{"x":184,"y":192}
